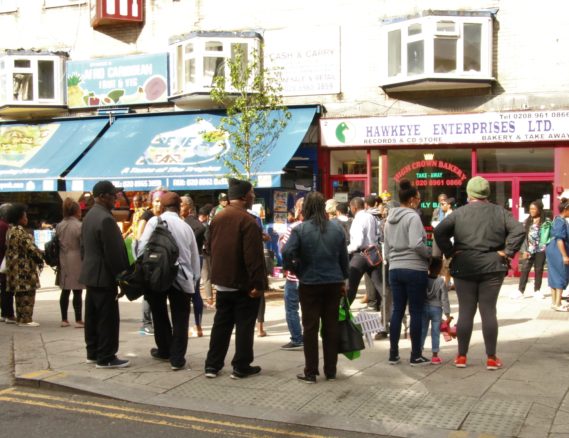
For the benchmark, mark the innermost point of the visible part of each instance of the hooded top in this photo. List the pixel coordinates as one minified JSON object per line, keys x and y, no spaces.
{"x":406,"y":240}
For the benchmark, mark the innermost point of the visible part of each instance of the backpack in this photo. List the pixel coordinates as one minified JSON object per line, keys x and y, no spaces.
{"x":160,"y":259}
{"x":51,"y":252}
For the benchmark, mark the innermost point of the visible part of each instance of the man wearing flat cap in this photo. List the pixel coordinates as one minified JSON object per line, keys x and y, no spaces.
{"x":104,"y":256}
{"x":172,"y":337}
{"x":238,"y":272}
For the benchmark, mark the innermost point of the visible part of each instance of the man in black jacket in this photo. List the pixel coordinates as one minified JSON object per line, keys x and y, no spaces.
{"x":104,"y":256}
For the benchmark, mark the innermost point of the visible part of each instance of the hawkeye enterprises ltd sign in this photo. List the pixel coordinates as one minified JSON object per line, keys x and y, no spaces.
{"x":504,"y":127}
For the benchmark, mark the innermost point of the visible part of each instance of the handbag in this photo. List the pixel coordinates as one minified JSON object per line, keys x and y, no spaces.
{"x":132,"y":282}
{"x":350,"y":337}
{"x":372,"y":254}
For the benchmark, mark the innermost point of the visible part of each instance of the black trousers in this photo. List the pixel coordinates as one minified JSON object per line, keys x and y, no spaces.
{"x":6,"y":299}
{"x":171,"y":338}
{"x":537,"y":261}
{"x":102,"y":321}
{"x":358,"y":267}
{"x":233,"y":309}
{"x":320,"y":304}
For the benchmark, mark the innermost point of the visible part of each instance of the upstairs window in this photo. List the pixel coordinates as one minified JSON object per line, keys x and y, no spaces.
{"x":198,"y":60}
{"x":438,"y":48}
{"x":31,"y":79}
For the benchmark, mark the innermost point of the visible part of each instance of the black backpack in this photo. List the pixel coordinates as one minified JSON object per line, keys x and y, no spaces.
{"x":160,"y":259}
{"x":51,"y":252}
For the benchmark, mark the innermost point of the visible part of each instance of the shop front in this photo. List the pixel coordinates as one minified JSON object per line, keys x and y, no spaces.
{"x":517,"y":152}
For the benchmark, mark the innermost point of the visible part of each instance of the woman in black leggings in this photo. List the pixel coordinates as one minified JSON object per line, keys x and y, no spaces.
{"x":486,"y":237}
{"x":68,"y":232}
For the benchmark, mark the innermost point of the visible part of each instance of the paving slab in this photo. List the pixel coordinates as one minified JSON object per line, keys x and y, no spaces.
{"x":527,"y":398}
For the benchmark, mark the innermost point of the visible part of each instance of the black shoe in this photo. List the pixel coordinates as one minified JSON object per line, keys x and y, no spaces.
{"x":292,"y":346}
{"x":331,"y":377}
{"x":394,"y":359}
{"x":306,"y":378}
{"x":156,"y":354}
{"x":178,"y":367}
{"x":211,"y":373}
{"x":380,"y":335}
{"x":419,"y":361}
{"x":115,"y":363}
{"x":241,"y":374}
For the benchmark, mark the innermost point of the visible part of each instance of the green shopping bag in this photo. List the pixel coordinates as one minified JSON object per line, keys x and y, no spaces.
{"x":350,"y":332}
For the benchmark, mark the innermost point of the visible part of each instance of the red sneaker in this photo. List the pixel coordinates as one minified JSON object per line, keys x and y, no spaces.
{"x":460,"y":362}
{"x":493,"y":364}
{"x":436,"y":360}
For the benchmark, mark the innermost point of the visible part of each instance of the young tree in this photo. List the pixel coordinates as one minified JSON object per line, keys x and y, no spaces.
{"x":255,"y":116}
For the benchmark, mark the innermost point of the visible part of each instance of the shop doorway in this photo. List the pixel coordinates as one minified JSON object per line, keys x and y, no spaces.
{"x":346,"y":187}
{"x":516,"y":192}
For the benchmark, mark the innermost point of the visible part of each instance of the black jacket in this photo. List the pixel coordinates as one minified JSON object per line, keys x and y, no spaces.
{"x":479,"y":229}
{"x":102,"y":249}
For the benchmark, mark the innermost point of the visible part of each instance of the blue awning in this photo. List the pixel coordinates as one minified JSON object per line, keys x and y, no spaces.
{"x":141,"y":152}
{"x":33,"y":157}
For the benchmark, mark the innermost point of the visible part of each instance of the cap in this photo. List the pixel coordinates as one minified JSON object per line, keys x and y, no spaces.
{"x":104,"y":187}
{"x":222,"y":197}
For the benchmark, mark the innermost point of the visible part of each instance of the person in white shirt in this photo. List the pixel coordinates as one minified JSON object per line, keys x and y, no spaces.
{"x":172,"y":338}
{"x":363,"y":233}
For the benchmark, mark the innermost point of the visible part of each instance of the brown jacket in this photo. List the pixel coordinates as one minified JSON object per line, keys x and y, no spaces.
{"x":236,"y":247}
{"x":23,"y":261}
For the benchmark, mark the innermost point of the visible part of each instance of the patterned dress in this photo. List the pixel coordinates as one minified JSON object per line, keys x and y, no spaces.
{"x":23,"y":262}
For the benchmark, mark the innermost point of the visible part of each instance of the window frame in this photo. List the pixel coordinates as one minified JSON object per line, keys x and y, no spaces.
{"x":429,"y":35}
{"x":199,"y":54}
{"x":9,"y":69}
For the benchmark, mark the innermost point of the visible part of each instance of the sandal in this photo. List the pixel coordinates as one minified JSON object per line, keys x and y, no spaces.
{"x":64,"y":323}
{"x":561,"y":309}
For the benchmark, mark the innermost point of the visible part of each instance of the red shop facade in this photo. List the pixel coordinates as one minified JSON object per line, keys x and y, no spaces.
{"x":524,"y":155}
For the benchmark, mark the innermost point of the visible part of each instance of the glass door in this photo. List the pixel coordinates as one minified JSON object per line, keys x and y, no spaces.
{"x":516,"y":193}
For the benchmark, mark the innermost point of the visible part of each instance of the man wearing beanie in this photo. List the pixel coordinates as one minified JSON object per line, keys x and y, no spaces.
{"x":172,"y":338}
{"x":481,"y":238}
{"x":238,"y":272}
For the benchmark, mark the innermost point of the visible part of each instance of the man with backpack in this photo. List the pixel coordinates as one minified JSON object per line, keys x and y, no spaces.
{"x":171,"y":265}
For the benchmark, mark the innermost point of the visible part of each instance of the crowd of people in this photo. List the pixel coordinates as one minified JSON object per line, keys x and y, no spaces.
{"x":326,"y":253}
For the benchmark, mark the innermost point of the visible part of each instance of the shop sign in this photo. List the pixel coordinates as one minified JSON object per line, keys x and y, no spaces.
{"x":442,"y":173}
{"x":131,"y":80}
{"x":506,"y":127}
{"x":307,"y":61}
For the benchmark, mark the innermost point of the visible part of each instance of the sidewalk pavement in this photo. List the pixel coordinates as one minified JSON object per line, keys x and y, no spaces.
{"x":527,"y":398}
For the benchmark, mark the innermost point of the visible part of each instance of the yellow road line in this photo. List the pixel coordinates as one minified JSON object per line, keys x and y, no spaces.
{"x":113,"y":415}
{"x":189,"y":418}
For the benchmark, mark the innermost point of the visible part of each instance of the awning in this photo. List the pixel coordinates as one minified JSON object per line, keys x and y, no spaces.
{"x":141,"y":152}
{"x":33,"y":157}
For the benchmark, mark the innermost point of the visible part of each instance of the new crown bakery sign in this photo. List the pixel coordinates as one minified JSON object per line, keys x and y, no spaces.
{"x":507,"y":127}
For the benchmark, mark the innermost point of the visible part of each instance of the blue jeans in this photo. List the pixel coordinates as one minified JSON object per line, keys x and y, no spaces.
{"x":407,"y":285}
{"x":291,"y":301}
{"x":434,"y":314}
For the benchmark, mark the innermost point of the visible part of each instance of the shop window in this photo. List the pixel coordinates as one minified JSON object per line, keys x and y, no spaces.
{"x":34,"y":79}
{"x":514,"y":160}
{"x":435,"y":52}
{"x":433,"y":172}
{"x":348,"y":162}
{"x":198,"y":59}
